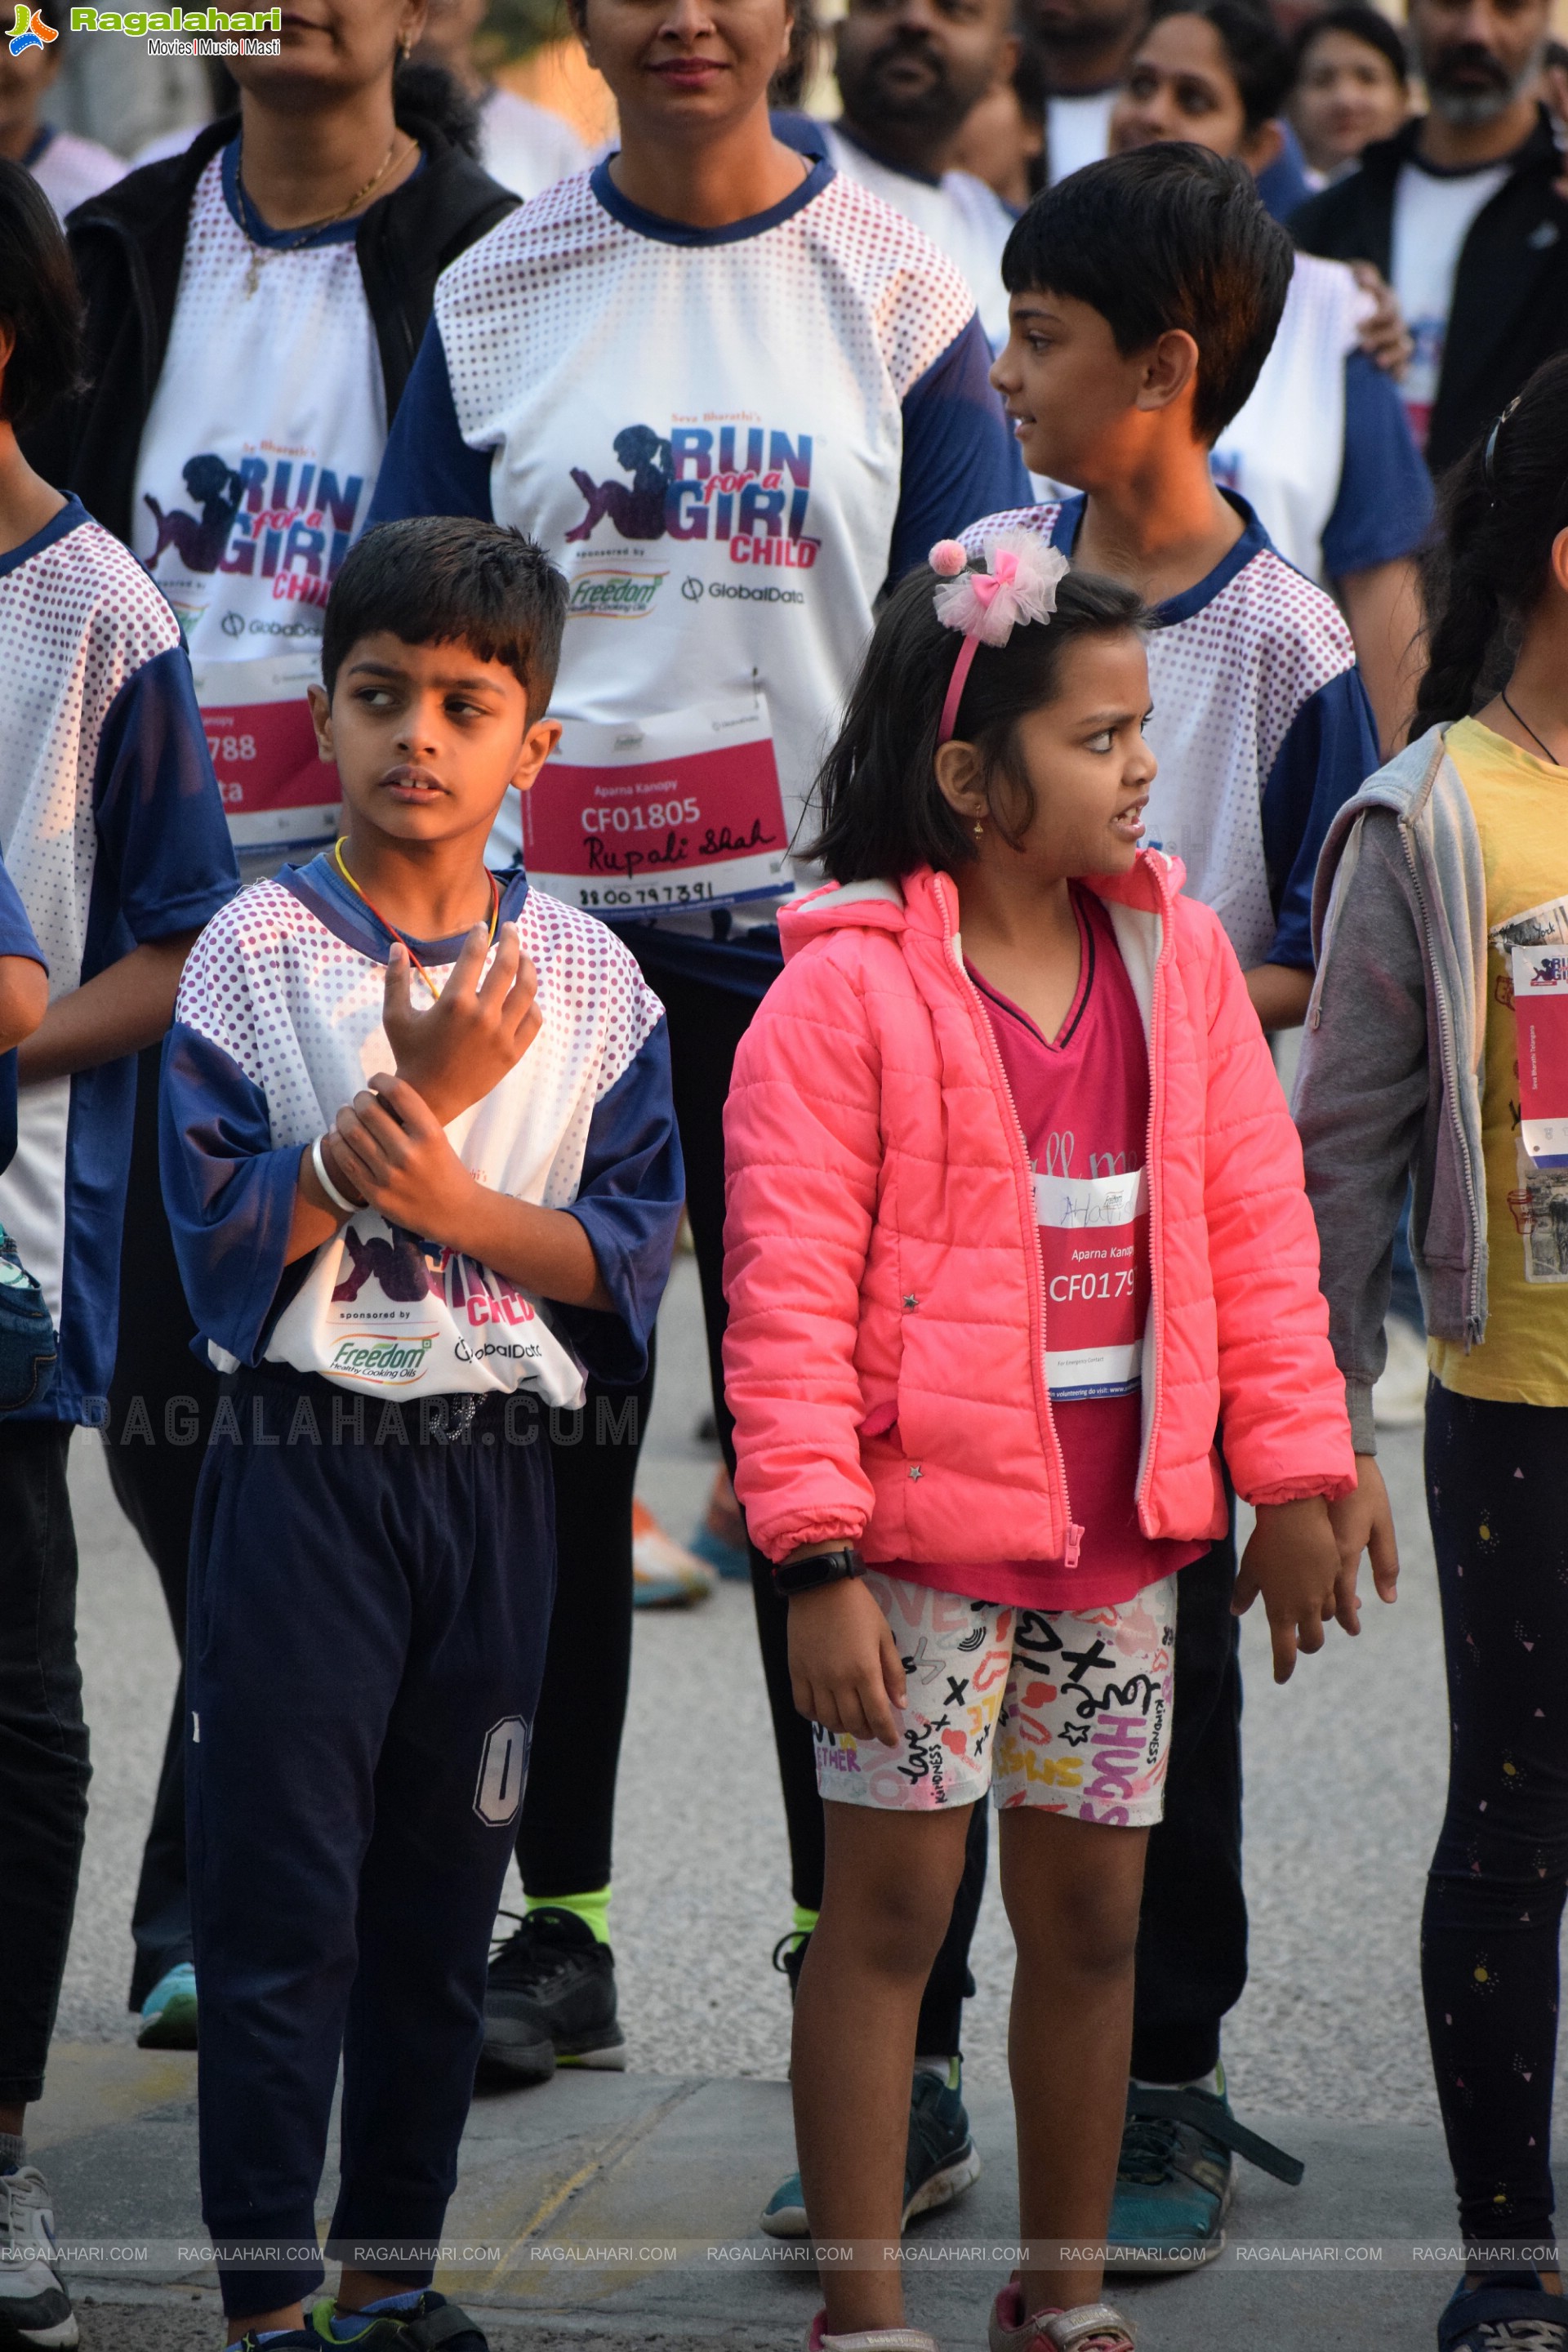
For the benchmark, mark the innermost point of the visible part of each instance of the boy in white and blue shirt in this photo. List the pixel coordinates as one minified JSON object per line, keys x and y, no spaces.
{"x":421,"y":1169}
{"x":1145,"y":293}
{"x":113,"y":837}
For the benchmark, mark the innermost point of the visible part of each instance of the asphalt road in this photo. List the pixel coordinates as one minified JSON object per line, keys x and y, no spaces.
{"x":1345,"y":1771}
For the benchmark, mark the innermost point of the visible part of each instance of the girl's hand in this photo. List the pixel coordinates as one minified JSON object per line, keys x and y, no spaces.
{"x":844,"y":1666}
{"x":1364,"y":1522}
{"x":474,"y":1032}
{"x":394,"y":1150}
{"x":1294,"y":1562}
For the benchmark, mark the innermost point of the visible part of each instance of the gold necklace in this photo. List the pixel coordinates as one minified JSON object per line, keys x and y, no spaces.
{"x":261,"y":250}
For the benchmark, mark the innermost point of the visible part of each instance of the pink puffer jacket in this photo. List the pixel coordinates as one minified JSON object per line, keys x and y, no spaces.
{"x":885,"y":1360}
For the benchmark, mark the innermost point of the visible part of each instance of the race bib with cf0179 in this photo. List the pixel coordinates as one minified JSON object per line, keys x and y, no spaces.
{"x":277,"y":792}
{"x":679,"y":810}
{"x":1094,"y":1243}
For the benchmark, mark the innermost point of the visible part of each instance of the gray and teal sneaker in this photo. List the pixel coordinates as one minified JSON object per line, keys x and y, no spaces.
{"x":425,"y":2322}
{"x":940,"y":2161}
{"x":169,"y":2011}
{"x":1176,"y":2178}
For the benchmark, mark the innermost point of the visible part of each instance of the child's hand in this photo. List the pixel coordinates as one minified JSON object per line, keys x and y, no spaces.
{"x":394,"y":1152}
{"x":1364,"y":1521}
{"x":1294,"y":1562}
{"x":474,"y":1032}
{"x":844,"y":1666}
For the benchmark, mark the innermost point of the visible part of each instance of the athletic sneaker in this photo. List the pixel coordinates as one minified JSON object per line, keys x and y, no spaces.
{"x":1087,"y":2327}
{"x":34,"y":2308}
{"x":291,"y":2339}
{"x":1508,"y":2311}
{"x":665,"y":1575}
{"x":868,"y":2340}
{"x":422,"y":2327}
{"x":720,"y":1539}
{"x":1176,"y":2178}
{"x":550,"y":2001}
{"x":169,"y":2011}
{"x":941,"y":2162}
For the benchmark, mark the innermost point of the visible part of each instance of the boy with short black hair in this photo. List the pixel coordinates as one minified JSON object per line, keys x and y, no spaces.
{"x":415,"y":1186}
{"x":1145,"y":293}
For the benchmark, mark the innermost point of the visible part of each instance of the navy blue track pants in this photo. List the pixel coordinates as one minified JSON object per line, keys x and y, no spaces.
{"x":370,"y":1597}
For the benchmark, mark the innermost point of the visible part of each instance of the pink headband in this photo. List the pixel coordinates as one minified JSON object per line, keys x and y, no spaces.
{"x":1019,"y":586}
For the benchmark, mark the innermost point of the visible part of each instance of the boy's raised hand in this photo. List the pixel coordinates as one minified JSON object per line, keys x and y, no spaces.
{"x":1293,"y":1561}
{"x":476,"y":1030}
{"x":845,"y":1670}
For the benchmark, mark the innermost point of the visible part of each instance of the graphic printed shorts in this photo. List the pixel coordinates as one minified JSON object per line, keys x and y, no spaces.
{"x":1065,"y":1709}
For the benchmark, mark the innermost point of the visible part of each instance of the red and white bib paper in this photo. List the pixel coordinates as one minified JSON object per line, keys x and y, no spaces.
{"x":1094,"y":1243}
{"x":683,"y":810}
{"x":277,"y":792}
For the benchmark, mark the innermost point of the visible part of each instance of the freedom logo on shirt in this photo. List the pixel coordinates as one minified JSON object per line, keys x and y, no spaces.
{"x":700,"y":481}
{"x":386,"y":1358}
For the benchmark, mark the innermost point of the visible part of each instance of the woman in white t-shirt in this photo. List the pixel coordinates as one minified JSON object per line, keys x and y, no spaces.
{"x":733,"y":393}
{"x":253,"y":306}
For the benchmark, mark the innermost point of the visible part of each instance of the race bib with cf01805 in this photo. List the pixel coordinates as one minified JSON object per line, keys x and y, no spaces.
{"x":277,"y":792}
{"x":1094,"y":1243}
{"x":683,"y":810}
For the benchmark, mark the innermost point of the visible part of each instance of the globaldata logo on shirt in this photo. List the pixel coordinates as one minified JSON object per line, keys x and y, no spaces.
{"x":728,"y":480}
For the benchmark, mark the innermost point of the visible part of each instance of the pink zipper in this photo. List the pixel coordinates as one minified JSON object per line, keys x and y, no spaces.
{"x":1156,"y":1206}
{"x":1021,"y":1172}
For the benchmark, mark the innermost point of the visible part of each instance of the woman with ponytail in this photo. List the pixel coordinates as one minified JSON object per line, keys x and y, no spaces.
{"x":1436,"y":1051}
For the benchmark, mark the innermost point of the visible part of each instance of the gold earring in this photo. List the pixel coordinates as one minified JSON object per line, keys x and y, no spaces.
{"x":406,"y":47}
{"x":978,"y":829}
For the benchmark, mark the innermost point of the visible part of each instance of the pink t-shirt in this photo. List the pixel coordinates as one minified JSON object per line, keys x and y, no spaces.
{"x":1082,"y":1101}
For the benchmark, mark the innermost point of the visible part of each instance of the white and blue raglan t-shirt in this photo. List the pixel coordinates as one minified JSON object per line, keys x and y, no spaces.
{"x":1323,"y":450}
{"x":729,"y":440}
{"x":278,"y":1024}
{"x":1260,"y":725}
{"x":15,"y":940}
{"x":112,"y":831}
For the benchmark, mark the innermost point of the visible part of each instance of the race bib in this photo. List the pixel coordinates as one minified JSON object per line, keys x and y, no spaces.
{"x":681,"y":811}
{"x":385,"y":1312}
{"x":277,"y":792}
{"x":1539,"y":977}
{"x":1094,"y":1242}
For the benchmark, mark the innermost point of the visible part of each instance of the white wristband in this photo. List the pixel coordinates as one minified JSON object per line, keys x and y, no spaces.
{"x":318,"y":1161}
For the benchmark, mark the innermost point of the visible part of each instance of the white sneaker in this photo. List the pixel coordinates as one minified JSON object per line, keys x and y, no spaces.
{"x":1399,"y":1400}
{"x":34,"y":2308}
{"x":869,"y":2339}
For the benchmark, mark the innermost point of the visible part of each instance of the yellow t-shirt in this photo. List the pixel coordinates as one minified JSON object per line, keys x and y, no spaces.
{"x":1521,"y":806}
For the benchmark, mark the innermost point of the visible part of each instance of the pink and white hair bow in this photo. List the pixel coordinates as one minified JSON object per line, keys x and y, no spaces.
{"x":1018,"y":585}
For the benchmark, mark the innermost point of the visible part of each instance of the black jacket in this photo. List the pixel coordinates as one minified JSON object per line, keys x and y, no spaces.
{"x":1510,"y":289}
{"x":129,"y":243}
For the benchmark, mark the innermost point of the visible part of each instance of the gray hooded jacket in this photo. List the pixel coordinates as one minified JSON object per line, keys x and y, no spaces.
{"x":1389,"y":1086}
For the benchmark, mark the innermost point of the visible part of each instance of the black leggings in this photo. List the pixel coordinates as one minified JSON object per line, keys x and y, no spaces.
{"x":1496,"y":1486}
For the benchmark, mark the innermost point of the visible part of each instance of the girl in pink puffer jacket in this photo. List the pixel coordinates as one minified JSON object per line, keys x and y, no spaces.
{"x":1016,"y":1221}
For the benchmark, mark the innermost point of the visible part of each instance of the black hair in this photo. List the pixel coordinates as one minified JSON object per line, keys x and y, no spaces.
{"x":883,"y":811}
{"x":38,"y":300}
{"x":1370,"y":26}
{"x":436,"y":580}
{"x":1168,"y":236}
{"x":792,"y":79}
{"x":1260,"y":64}
{"x":425,"y":94}
{"x":1500,"y":509}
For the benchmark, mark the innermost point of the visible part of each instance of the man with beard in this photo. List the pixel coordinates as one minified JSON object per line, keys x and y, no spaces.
{"x":1462,"y":211}
{"x":909,"y":73}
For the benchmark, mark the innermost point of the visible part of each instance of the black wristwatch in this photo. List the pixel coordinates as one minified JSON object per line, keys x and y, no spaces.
{"x":792,"y":1576}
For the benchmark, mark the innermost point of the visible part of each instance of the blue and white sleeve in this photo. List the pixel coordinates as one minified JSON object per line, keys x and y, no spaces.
{"x":428,"y":467}
{"x":1383,"y":507}
{"x":960,"y":459}
{"x":629,"y":1199}
{"x":165,"y":862}
{"x":1329,"y":752}
{"x":228,"y":1193}
{"x":15,"y":940}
